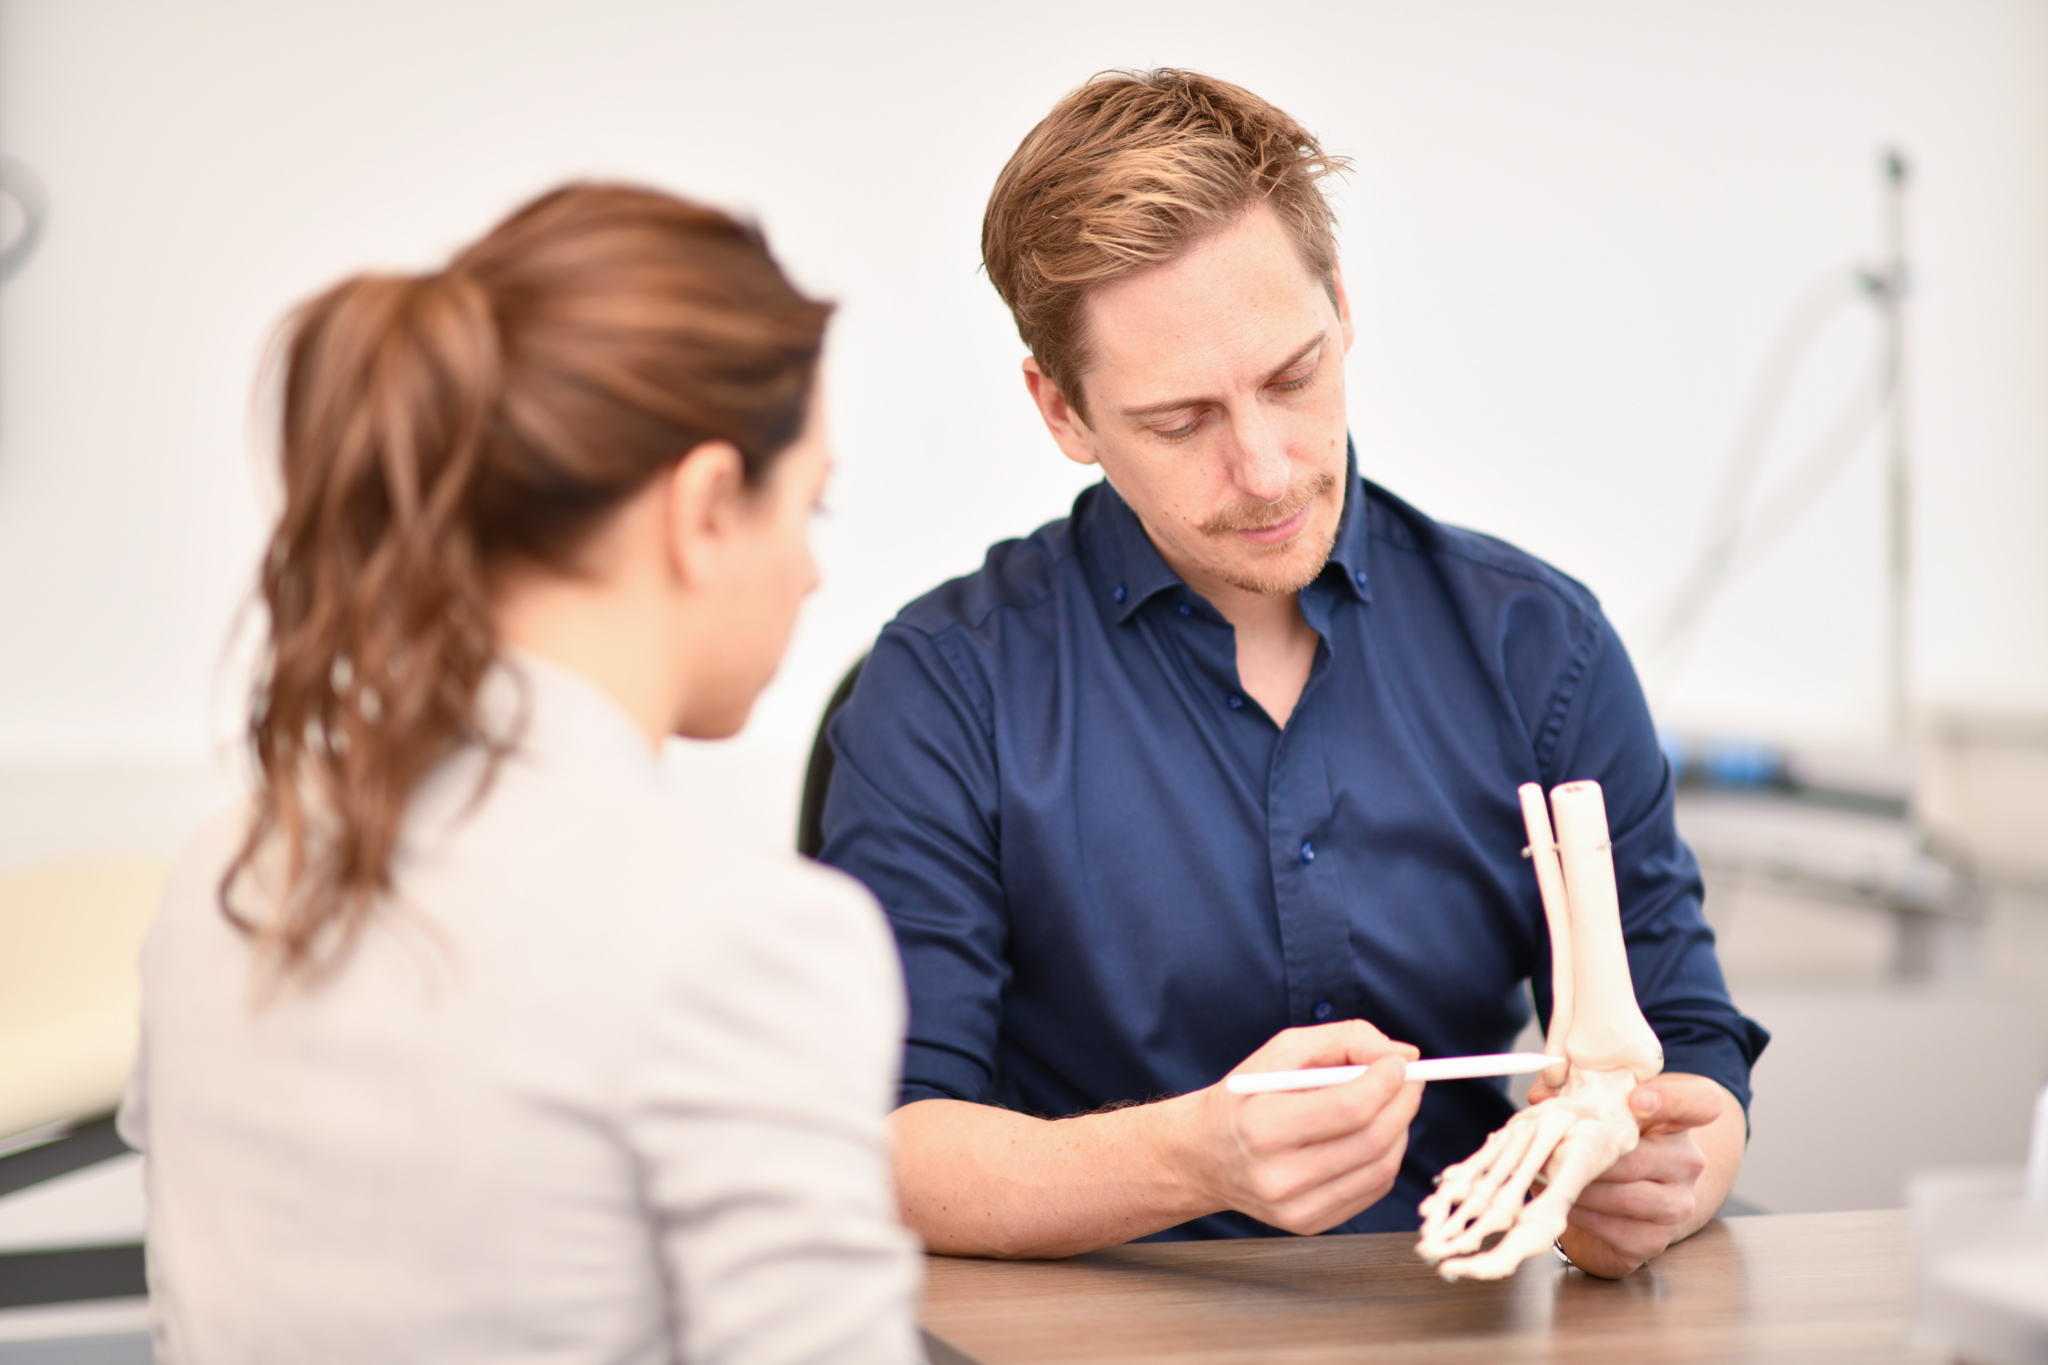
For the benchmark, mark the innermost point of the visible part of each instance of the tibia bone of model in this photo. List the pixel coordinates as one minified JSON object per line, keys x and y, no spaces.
{"x":1567,"y":1141}
{"x":1608,"y":1031}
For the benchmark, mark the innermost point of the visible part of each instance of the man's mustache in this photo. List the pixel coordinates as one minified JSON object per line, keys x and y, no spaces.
{"x":1253,"y":515}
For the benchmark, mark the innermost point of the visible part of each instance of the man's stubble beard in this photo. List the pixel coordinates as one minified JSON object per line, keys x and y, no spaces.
{"x":1246,"y":516}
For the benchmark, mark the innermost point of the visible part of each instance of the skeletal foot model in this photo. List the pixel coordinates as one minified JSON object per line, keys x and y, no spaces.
{"x":1565,"y":1142}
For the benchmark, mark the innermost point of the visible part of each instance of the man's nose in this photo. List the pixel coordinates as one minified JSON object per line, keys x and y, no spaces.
{"x":1262,"y":466}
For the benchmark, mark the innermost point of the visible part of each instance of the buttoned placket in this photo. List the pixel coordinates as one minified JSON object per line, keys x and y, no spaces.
{"x":1308,"y":895}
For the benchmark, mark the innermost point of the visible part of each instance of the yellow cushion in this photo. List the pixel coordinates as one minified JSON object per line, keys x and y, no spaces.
{"x":69,"y":990}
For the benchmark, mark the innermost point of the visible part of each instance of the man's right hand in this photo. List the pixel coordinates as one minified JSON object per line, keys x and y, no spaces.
{"x":1308,"y":1160}
{"x":975,"y":1180}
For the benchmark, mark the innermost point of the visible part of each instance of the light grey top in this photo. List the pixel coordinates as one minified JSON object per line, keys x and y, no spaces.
{"x":595,"y":1086}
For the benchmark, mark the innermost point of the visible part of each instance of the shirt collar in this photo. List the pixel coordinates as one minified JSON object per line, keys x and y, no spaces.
{"x":1132,"y":573}
{"x":558,"y":716}
{"x":1130,"y":570}
{"x":1348,"y":551}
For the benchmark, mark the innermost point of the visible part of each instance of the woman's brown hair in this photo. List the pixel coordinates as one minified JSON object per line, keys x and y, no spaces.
{"x":436,"y":426}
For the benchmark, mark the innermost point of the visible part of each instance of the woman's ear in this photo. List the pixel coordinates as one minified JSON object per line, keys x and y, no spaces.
{"x":704,"y":503}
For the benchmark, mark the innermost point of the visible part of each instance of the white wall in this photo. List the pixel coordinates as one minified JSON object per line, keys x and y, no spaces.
{"x":1572,"y":228}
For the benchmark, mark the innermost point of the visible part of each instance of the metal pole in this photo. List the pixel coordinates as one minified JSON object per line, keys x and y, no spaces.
{"x":1899,"y":472}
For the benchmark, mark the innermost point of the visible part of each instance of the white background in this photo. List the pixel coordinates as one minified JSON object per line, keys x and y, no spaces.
{"x":1570,"y":232}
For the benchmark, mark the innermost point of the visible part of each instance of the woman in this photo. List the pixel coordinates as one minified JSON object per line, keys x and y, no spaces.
{"x":464,"y":1042}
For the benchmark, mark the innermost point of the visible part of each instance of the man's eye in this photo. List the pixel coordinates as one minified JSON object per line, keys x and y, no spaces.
{"x":1183,"y":431}
{"x":1289,"y":385}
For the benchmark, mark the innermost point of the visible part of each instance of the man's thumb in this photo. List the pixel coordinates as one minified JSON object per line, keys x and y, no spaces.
{"x":1670,"y":1104}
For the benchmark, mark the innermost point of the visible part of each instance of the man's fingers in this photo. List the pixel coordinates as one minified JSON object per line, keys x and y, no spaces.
{"x":1350,"y":1042}
{"x":1356,"y":1186}
{"x":1305,"y":1118}
{"x":1636,"y":1239}
{"x":1382,"y":1123}
{"x":1668,"y":1158}
{"x":1315,"y":1158}
{"x":1287,"y":1166}
{"x":1646,"y":1201}
{"x":1675,"y":1103}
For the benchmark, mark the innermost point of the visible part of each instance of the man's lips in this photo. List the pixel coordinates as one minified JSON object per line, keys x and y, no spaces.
{"x":1279,"y":530}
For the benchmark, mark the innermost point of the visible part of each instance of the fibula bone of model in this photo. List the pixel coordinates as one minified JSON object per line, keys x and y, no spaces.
{"x":1563,"y":1143}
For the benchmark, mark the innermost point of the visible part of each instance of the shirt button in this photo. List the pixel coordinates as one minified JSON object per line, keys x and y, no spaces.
{"x":1234,"y":702}
{"x":1359,"y":578}
{"x":1186,"y":610}
{"x":1322,"y":1010}
{"x":1308,"y":852}
{"x":1117,"y":593}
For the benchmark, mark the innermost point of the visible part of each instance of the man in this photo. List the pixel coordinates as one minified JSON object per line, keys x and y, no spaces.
{"x":1220,"y":770}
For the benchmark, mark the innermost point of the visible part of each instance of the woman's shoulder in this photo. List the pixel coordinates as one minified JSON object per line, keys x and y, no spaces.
{"x":673,"y":881}
{"x":193,"y":882}
{"x":742,"y":889}
{"x":779,"y":971}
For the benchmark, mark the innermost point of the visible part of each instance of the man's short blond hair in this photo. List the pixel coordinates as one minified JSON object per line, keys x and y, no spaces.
{"x":1128,"y":172}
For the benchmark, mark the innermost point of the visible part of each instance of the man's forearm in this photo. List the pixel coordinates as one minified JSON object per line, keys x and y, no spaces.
{"x":979,"y":1181}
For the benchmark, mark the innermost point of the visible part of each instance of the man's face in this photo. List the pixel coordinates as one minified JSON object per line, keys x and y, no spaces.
{"x":1216,"y":407}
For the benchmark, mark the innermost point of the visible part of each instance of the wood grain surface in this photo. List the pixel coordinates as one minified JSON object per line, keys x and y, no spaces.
{"x":1825,"y":1287}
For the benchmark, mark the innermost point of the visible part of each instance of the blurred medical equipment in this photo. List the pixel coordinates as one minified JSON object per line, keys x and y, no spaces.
{"x":1980,"y":1267}
{"x":1917,"y":828}
{"x":1743,"y":526}
{"x":25,"y":188}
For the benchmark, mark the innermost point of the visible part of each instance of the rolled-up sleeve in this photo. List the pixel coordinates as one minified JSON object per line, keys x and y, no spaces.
{"x":913,"y":812}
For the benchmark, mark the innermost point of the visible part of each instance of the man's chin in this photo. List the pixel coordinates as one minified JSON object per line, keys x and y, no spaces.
{"x":1282,"y":574}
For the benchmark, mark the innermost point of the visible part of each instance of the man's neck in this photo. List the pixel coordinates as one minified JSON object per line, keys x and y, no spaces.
{"x":1276,"y":647}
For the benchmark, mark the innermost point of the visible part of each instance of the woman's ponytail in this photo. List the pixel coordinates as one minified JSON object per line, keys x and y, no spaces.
{"x":379,"y":620}
{"x":436,"y":426}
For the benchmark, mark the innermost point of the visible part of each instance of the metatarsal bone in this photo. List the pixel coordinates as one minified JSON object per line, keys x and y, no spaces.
{"x":1454,"y":1186}
{"x":1479,"y":1183}
{"x":1546,"y":1126}
{"x":1598,"y":1131}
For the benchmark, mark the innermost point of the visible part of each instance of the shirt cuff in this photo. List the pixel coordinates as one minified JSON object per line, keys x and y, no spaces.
{"x":1722,"y":1059}
{"x":931,"y":1072}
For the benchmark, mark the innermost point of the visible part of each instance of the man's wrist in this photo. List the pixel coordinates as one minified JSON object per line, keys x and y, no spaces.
{"x":1180,"y":1159}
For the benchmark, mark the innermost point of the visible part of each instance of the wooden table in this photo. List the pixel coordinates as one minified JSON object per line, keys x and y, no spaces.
{"x":1799,"y":1288}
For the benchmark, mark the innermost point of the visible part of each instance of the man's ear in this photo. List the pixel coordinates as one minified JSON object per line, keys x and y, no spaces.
{"x":702,"y":509}
{"x":1069,"y":432}
{"x":1343,"y":302}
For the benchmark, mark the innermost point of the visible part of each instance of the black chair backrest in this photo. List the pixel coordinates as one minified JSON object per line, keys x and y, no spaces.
{"x":810,"y":820}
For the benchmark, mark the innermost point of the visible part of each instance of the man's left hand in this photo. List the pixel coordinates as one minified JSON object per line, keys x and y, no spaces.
{"x":1668,"y":1187}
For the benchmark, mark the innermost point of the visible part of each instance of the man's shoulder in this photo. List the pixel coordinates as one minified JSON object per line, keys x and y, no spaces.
{"x":1018,"y":576}
{"x":1473,"y":564}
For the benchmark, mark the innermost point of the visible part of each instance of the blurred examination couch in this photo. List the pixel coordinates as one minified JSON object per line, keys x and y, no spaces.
{"x":71,"y":1259}
{"x":68,"y":987}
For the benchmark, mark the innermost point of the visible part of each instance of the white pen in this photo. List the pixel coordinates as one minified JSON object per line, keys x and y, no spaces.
{"x":1435,"y":1069}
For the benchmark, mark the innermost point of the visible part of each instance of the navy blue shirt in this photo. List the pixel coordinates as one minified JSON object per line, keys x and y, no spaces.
{"x":1113,"y":877}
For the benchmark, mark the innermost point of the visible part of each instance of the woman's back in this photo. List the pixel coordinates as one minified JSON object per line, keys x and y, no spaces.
{"x":590,"y":1086}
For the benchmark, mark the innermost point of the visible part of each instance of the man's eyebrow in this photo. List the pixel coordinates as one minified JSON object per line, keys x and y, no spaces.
{"x":1146,"y":410}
